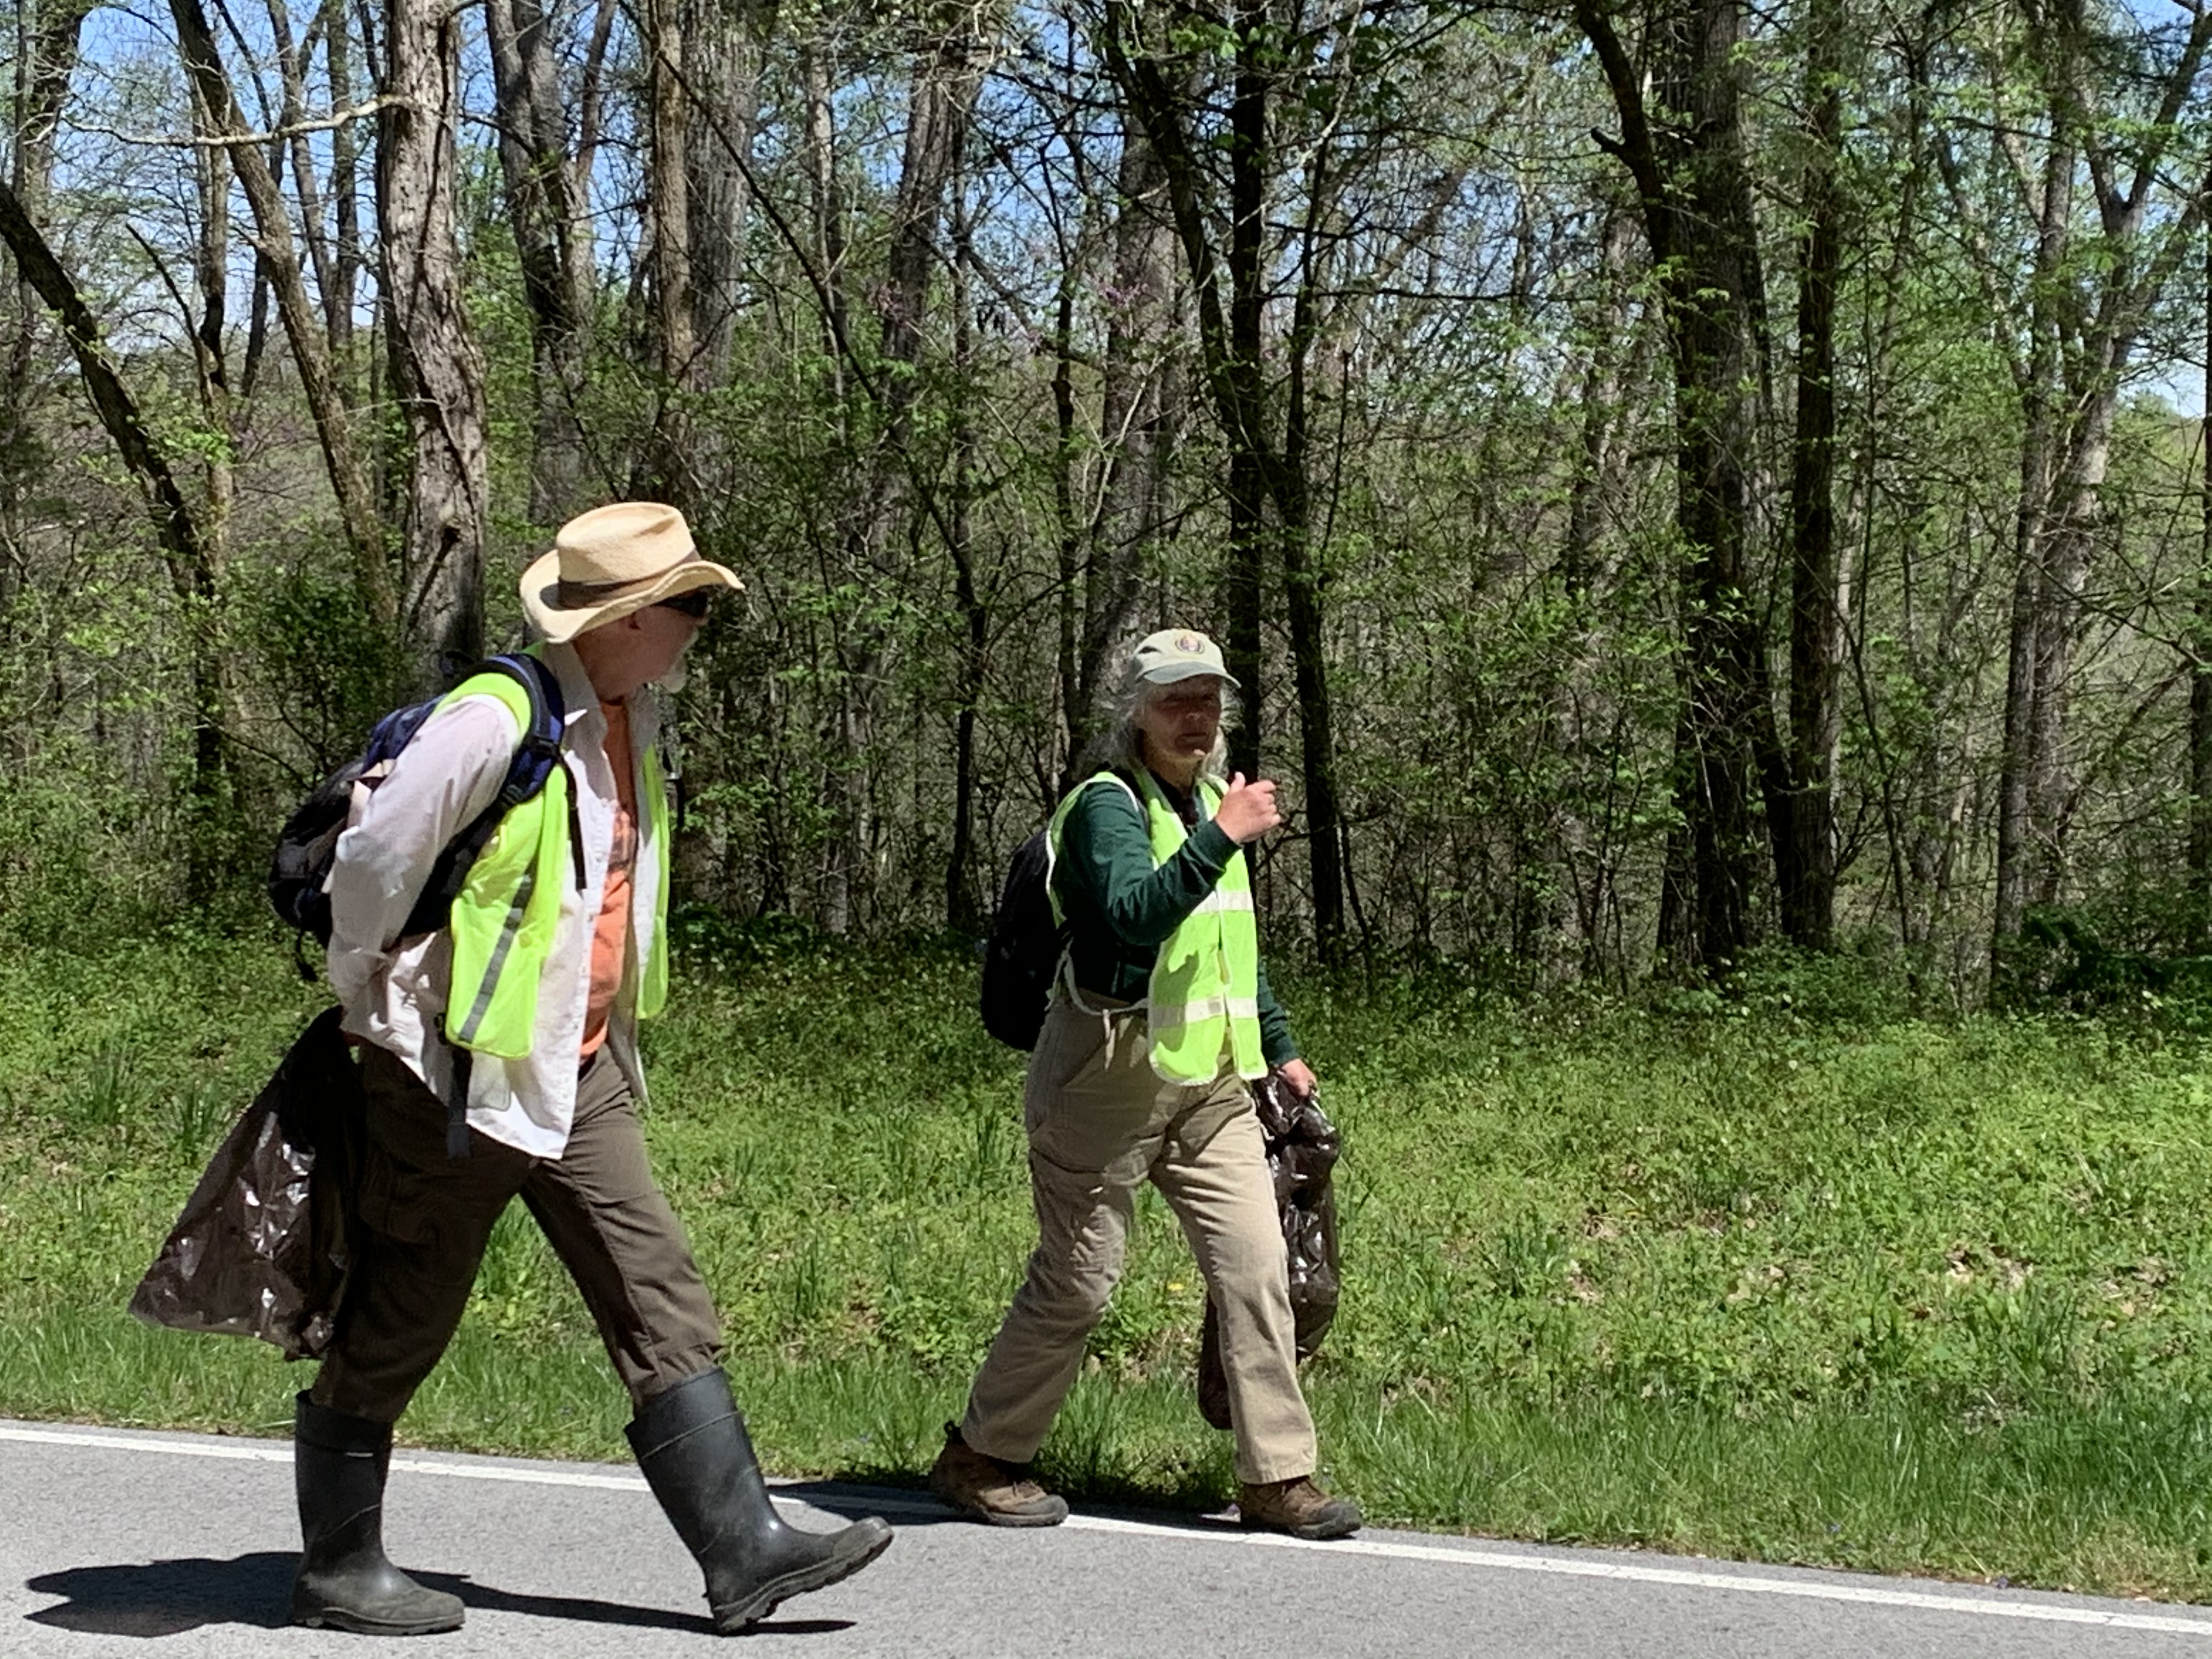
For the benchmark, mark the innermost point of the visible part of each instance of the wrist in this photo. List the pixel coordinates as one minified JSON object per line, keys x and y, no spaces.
{"x":1214,"y":844}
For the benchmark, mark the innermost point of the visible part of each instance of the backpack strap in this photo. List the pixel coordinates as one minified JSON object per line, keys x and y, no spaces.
{"x":534,"y":757}
{"x":1064,"y":975}
{"x":1051,"y":840}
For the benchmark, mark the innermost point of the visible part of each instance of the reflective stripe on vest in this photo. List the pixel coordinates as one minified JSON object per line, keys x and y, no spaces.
{"x":506,"y":915}
{"x":653,"y":838}
{"x":1204,"y":993}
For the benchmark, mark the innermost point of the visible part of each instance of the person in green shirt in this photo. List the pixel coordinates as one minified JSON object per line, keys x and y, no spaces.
{"x":1160,"y":1019}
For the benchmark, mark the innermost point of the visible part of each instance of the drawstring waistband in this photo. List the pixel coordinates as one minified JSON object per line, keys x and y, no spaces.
{"x":1105,"y":1016}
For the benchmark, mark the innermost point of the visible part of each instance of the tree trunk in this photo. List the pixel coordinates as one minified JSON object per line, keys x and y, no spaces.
{"x":214,"y":679}
{"x":894,"y":485}
{"x":2200,"y":671}
{"x":1264,"y":475}
{"x":292,"y":72}
{"x":2061,"y":574}
{"x":544,"y":211}
{"x":939,"y":109}
{"x":1303,"y":582}
{"x":42,"y":77}
{"x":1684,"y":151}
{"x":1070,"y":613}
{"x":826,"y":213}
{"x":2084,"y":324}
{"x":1138,"y":418}
{"x":727,"y":40}
{"x":1229,"y":341}
{"x":279,"y":256}
{"x":2042,"y":434}
{"x":668,"y":474}
{"x":1589,"y":847}
{"x":848,"y":734}
{"x":964,"y":905}
{"x":191,"y":565}
{"x":345,"y":192}
{"x":1600,"y":408}
{"x":1245,"y":576}
{"x":211,"y":277}
{"x":437,"y":371}
{"x":1809,"y":884}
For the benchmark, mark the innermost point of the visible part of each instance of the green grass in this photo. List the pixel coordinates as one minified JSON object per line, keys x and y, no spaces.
{"x":1727,"y":1278}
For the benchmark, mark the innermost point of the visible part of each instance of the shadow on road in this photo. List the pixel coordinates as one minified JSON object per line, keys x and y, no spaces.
{"x":166,"y":1598}
{"x":904,"y":1508}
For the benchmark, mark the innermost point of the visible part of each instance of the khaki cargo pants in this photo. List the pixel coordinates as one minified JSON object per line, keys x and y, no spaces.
{"x":1100,"y":1121}
{"x":425,"y":1219}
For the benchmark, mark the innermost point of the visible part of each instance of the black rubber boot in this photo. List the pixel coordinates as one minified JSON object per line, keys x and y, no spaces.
{"x":338,"y":1464}
{"x":699,"y":1462}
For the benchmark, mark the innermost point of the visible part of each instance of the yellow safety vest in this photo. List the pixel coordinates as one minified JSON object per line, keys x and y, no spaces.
{"x":504,"y":917}
{"x":1204,"y":995}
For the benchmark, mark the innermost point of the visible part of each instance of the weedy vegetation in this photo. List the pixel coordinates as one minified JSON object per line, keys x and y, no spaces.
{"x":1792,"y":1275}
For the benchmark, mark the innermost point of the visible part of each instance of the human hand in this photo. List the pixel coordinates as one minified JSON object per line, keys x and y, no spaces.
{"x":1247,"y":812}
{"x":1300,"y":1077}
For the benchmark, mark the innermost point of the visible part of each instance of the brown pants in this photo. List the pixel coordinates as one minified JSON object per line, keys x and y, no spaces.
{"x":1100,"y":1121}
{"x":425,"y":1219}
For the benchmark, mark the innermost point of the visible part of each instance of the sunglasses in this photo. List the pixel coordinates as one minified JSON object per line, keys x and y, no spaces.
{"x":692,"y":604}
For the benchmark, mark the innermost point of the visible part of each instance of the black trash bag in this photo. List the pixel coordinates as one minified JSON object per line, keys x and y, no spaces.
{"x":1303,"y":1148}
{"x":263,"y":1247}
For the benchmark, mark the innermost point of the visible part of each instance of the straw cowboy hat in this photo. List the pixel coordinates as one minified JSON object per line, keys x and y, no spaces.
{"x":612,"y":560}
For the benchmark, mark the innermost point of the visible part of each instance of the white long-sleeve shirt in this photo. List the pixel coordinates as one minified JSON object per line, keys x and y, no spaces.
{"x":394,"y":990}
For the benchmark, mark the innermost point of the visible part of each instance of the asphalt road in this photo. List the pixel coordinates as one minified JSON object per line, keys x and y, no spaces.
{"x":166,"y":1545}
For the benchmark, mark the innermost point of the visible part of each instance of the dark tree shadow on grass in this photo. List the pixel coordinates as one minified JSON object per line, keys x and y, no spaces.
{"x":166,"y":1598}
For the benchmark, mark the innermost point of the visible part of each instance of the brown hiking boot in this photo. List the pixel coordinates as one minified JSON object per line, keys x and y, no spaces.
{"x":997,"y":1493}
{"x":1297,"y":1507}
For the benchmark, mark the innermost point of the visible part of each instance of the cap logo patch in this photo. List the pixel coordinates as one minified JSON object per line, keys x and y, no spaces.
{"x":1187,"y":644}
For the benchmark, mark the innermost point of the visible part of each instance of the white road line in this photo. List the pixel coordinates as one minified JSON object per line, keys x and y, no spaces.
{"x":278,"y":1451}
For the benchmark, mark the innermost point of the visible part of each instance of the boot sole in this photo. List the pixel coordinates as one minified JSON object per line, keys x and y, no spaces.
{"x":734,"y":1616}
{"x":353,"y":1624}
{"x":1011,"y":1518}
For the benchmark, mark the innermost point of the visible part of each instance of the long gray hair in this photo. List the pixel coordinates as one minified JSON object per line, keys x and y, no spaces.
{"x":1121,"y":745}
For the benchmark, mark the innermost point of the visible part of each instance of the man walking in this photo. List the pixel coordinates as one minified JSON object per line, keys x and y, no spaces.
{"x":500,"y":1060}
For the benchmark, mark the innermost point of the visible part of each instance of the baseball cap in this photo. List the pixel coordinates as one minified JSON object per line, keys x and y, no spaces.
{"x":1176,"y":653}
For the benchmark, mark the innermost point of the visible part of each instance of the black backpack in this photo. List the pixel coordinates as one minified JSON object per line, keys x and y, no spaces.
{"x":1023,"y":953}
{"x":308,"y":844}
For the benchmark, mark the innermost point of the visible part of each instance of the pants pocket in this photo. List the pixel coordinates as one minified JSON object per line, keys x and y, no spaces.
{"x":391,"y":1202}
{"x":1068,"y":1040}
{"x":1102,"y":1118}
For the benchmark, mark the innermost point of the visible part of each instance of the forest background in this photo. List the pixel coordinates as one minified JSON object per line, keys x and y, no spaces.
{"x":1673,"y":476}
{"x":1709,"y":502}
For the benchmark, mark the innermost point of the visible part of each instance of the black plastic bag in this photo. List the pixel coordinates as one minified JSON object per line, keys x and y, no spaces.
{"x":1303,"y":1148}
{"x":262,"y":1248}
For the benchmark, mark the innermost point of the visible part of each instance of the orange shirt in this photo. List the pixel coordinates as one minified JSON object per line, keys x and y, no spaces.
{"x":611,"y":932}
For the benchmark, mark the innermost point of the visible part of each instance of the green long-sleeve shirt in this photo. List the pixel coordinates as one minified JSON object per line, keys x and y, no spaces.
{"x":1120,"y":907}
